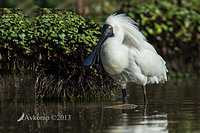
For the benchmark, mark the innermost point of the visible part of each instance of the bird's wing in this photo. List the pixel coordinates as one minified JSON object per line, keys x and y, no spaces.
{"x":130,"y":41}
{"x":151,"y":64}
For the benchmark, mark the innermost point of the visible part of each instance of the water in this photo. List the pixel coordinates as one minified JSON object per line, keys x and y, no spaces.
{"x":173,"y":107}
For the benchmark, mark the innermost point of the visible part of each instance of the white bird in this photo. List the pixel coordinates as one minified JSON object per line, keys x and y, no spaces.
{"x":127,"y":56}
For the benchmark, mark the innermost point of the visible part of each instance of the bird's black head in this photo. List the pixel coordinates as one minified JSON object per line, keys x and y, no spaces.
{"x":106,"y":33}
{"x":107,"y":30}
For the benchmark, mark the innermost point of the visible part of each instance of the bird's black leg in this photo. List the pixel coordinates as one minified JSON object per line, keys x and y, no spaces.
{"x":124,"y":96}
{"x":145,"y":94}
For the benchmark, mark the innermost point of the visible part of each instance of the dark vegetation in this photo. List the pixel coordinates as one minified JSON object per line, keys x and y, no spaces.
{"x":65,"y":39}
{"x":16,"y":41}
{"x":54,"y":43}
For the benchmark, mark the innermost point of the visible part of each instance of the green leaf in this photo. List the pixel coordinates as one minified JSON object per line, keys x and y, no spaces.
{"x":171,"y":29}
{"x":53,"y":35}
{"x":88,"y":49}
{"x":198,"y":27}
{"x":7,"y":24}
{"x":72,"y":41}
{"x":32,"y":41}
{"x":13,"y":34}
{"x":61,"y":42}
{"x":10,"y":49}
{"x":159,"y":38}
{"x":165,"y":27}
{"x":62,"y":36}
{"x":150,"y":30}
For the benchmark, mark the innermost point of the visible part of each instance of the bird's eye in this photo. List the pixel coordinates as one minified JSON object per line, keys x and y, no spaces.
{"x":110,"y":27}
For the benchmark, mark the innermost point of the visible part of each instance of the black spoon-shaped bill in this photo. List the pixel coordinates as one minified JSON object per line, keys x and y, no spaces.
{"x":91,"y":58}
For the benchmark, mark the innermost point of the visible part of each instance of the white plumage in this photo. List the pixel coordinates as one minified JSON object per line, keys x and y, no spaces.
{"x":128,"y":57}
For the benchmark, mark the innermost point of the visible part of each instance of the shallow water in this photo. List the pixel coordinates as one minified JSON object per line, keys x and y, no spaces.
{"x":173,"y":107}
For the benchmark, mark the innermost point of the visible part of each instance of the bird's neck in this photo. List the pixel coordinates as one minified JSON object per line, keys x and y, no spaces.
{"x":110,"y":49}
{"x":113,"y":44}
{"x":113,"y":55}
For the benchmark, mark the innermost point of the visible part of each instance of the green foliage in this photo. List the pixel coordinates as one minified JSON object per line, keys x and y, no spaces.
{"x":164,"y":21}
{"x":58,"y":31}
{"x":63,"y":31}
{"x":16,"y":32}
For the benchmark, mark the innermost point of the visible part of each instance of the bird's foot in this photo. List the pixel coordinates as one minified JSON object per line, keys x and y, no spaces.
{"x":129,"y":106}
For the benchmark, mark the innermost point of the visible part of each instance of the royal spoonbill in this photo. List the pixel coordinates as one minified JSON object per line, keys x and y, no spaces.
{"x":126,"y":55}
